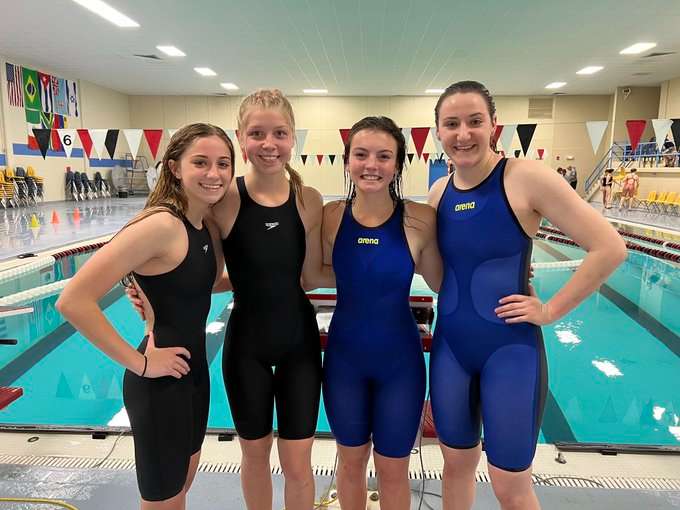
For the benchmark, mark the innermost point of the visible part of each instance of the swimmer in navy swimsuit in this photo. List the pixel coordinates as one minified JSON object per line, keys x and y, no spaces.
{"x":488,"y":365}
{"x":175,"y":256}
{"x":374,"y":369}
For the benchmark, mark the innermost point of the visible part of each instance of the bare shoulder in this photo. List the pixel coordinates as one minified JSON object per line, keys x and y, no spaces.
{"x":528,"y":170}
{"x":312,"y":197}
{"x":160,"y":225}
{"x":420,"y":211}
{"x":437,"y":190}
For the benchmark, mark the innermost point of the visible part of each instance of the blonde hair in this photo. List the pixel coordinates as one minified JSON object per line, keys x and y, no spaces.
{"x":270,"y":99}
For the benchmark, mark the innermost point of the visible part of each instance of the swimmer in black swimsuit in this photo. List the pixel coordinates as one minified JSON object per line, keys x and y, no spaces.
{"x":175,"y":256}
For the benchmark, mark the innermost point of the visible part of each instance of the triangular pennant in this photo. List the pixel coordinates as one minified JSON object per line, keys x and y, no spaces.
{"x":111,"y":142}
{"x":304,"y":158}
{"x":540,"y":153}
{"x":319,"y":158}
{"x":63,"y":389}
{"x":410,"y":157}
{"x":332,"y":158}
{"x":98,"y":137}
{"x":232,"y":135}
{"x":172,"y":132}
{"x":407,"y":135}
{"x":608,"y":414}
{"x":635,"y":129}
{"x":85,"y":141}
{"x":42,"y":136}
{"x":661,"y":129}
{"x":426,"y":156}
{"x":67,"y":137}
{"x":419,"y":135}
{"x":596,"y":129}
{"x":496,"y":134}
{"x":518,"y":152}
{"x":153,"y":138}
{"x":506,"y":136}
{"x":301,"y":137}
{"x":134,"y":139}
{"x":526,"y":134}
{"x":675,"y":129}
{"x":344,"y":134}
{"x":437,"y":142}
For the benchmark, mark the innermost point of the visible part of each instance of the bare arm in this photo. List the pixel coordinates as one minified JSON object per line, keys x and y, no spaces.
{"x":314,"y":273}
{"x":553,"y":198}
{"x":144,"y":242}
{"x":222,"y":281}
{"x":429,"y":262}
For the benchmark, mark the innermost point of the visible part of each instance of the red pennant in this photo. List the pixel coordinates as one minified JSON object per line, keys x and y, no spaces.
{"x":540,"y":153}
{"x":153,"y":138}
{"x":344,"y":134}
{"x":319,"y":158}
{"x":419,"y":136}
{"x":85,"y":140}
{"x":496,"y":135}
{"x":426,"y":156}
{"x":635,"y":130}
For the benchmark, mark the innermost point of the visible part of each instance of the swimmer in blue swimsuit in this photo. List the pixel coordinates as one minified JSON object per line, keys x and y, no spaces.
{"x":488,"y":361}
{"x":374,"y":370}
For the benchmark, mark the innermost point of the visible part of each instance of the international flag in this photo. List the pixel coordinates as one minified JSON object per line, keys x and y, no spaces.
{"x":59,"y":96}
{"x":45,"y":87}
{"x":15,"y":85}
{"x":31,"y":94}
{"x":72,"y":94}
{"x":32,"y":122}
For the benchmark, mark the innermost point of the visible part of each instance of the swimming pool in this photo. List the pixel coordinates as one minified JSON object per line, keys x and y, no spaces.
{"x":614,"y":362}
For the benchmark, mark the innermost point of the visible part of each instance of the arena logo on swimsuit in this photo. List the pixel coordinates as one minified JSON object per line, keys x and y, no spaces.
{"x":368,"y":240}
{"x":464,"y":206}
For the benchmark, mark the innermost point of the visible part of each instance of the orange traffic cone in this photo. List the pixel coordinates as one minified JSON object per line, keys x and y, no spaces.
{"x":76,"y":214}
{"x":55,"y":217}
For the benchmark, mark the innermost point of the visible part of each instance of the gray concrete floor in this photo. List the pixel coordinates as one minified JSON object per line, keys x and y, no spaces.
{"x":98,"y":489}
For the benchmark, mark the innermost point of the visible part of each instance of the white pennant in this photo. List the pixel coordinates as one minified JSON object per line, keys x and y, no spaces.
{"x":68,"y":139}
{"x":134,"y":138}
{"x":506,"y":137}
{"x":98,"y":137}
{"x":661,"y":129}
{"x":172,"y":132}
{"x":232,"y":136}
{"x":437,"y":142}
{"x":596,"y":129}
{"x":301,"y":137}
{"x":407,"y":136}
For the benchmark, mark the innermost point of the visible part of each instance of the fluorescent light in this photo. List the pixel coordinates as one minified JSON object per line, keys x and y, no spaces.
{"x":590,"y":70}
{"x":637,"y":48}
{"x":108,"y":13}
{"x":229,"y":86}
{"x":171,"y":51}
{"x":205,"y":71}
{"x":434,"y":91}
{"x":315,"y":91}
{"x":556,"y":85}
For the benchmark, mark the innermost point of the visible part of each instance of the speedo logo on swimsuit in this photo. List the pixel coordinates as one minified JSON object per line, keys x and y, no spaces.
{"x":465,"y":206}
{"x":205,"y":249}
{"x":271,"y":225}
{"x":368,"y":240}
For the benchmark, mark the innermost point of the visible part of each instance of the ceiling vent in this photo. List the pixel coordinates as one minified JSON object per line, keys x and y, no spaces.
{"x":540,"y":108}
{"x":641,"y":74}
{"x":659,"y":54}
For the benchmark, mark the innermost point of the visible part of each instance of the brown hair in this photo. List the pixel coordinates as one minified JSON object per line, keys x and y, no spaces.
{"x":463,"y":87}
{"x":268,"y":99}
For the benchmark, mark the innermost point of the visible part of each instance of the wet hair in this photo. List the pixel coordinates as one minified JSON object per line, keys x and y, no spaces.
{"x":270,"y":99}
{"x":168,"y":195}
{"x":609,"y":170}
{"x":462,"y":87}
{"x":383,"y":125}
{"x":633,"y":169}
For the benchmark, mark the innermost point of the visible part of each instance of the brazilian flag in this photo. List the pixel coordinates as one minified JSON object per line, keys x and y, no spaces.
{"x":31,"y":93}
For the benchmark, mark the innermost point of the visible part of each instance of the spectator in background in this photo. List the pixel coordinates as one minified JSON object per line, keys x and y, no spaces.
{"x":572,"y":176}
{"x":669,"y":153}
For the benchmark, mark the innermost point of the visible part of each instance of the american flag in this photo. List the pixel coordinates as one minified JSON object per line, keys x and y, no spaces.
{"x":15,"y":85}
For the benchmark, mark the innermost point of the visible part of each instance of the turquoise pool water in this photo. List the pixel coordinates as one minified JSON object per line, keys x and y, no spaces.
{"x":614,"y":362}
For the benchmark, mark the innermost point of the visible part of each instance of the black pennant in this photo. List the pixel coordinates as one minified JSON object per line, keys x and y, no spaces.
{"x":42,"y":136}
{"x":525,"y":133}
{"x":517,"y":153}
{"x":410,"y":157}
{"x":332,"y":158}
{"x":111,"y":141}
{"x":675,"y":129}
{"x":304,"y":158}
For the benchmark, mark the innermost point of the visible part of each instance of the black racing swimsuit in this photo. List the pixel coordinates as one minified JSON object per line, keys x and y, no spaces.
{"x":272,"y":352}
{"x":169,"y":416}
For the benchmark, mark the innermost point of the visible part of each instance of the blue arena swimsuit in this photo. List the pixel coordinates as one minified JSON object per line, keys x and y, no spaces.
{"x":374,"y":370}
{"x":481,"y":368}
